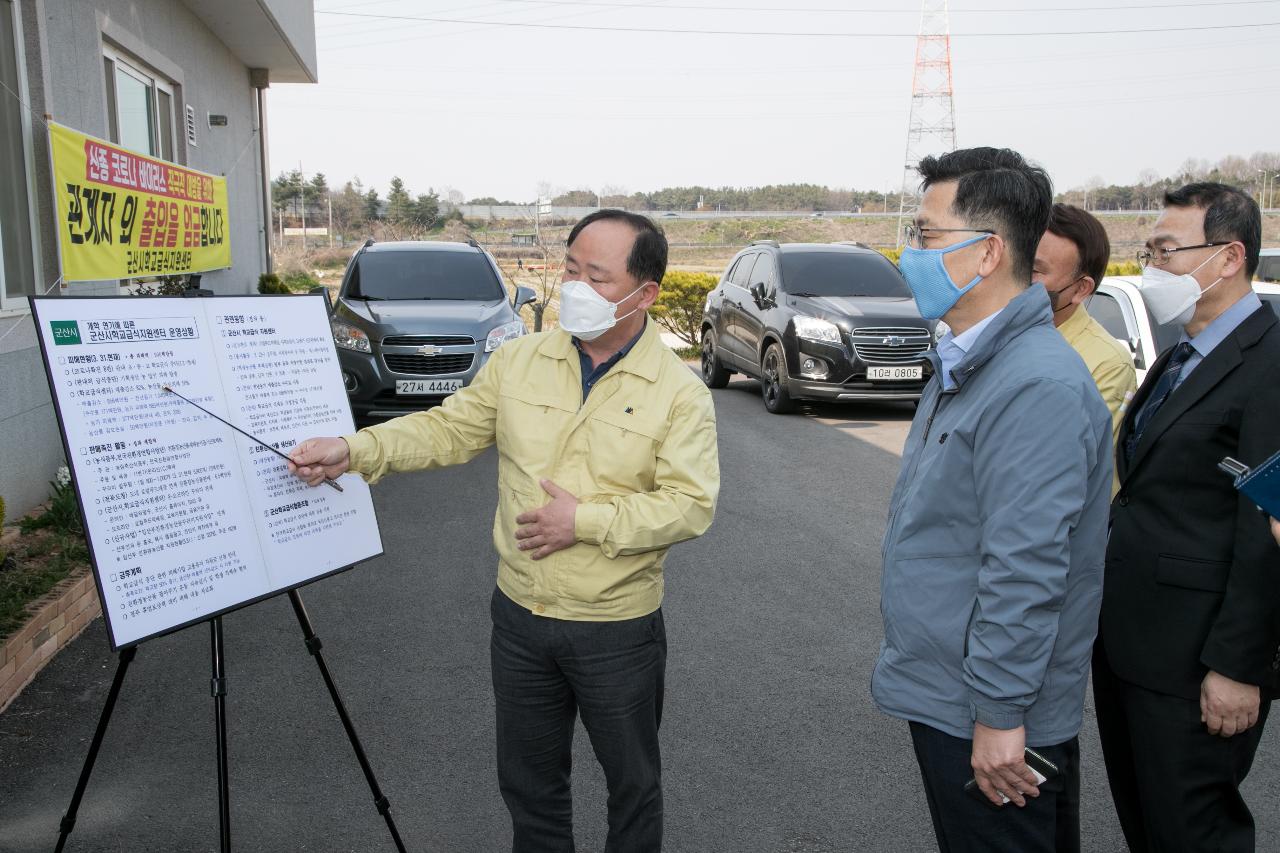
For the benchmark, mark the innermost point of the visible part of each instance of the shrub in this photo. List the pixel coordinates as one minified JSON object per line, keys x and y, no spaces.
{"x":1124,"y":268}
{"x":166,"y":285}
{"x":269,"y":282}
{"x":894,"y":255}
{"x":679,"y":305}
{"x":3,"y":555}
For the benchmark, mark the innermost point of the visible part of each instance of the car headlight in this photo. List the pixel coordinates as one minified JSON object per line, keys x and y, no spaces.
{"x":349,"y":337}
{"x":506,"y":332}
{"x":813,"y":329}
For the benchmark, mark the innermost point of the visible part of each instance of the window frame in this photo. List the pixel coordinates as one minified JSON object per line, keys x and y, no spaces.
{"x":156,"y":83}
{"x":11,"y":306}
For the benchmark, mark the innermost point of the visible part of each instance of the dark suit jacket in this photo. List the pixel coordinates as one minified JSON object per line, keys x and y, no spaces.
{"x":1193,"y":574}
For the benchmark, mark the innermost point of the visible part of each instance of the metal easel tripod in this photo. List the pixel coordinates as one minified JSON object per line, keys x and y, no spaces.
{"x":218,"y":688}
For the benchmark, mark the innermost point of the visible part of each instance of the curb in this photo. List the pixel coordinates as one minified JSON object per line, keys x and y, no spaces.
{"x":54,"y":620}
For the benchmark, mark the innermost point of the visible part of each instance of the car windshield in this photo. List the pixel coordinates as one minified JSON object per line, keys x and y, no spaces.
{"x":424,"y":275}
{"x":841,"y":274}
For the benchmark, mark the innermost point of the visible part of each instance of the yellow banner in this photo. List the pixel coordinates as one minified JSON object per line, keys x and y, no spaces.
{"x":125,"y":215}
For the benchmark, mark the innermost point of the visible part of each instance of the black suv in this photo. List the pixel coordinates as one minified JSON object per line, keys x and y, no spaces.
{"x":816,"y":321}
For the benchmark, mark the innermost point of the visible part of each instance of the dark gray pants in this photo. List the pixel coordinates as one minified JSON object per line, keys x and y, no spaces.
{"x":1049,"y":823}
{"x":546,"y":672}
{"x":1176,"y":787}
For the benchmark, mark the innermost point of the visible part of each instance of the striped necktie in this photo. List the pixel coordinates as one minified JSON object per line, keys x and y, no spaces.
{"x":1159,"y":394}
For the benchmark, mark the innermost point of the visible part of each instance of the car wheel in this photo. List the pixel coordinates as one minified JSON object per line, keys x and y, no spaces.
{"x":773,"y":381}
{"x":713,"y":372}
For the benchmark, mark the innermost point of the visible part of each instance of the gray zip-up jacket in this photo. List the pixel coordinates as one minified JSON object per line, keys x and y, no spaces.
{"x":997,"y":531}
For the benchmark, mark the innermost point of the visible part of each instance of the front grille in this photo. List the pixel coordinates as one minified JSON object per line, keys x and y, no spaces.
{"x":424,"y":340}
{"x":427,"y":365}
{"x":890,"y":344}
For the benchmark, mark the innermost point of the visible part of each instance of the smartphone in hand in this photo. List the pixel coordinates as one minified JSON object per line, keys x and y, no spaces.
{"x":1043,"y":768}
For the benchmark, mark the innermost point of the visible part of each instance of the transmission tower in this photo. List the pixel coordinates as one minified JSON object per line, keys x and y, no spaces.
{"x":932,"y":126}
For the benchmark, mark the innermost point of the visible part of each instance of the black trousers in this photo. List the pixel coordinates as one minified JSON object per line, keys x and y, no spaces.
{"x":1175,"y":786}
{"x":1049,"y":823}
{"x":546,"y":672}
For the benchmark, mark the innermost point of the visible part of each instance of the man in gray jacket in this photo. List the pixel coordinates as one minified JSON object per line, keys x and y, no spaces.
{"x":994,"y":548}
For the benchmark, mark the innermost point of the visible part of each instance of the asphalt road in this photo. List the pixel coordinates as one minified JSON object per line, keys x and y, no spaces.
{"x":770,"y":740}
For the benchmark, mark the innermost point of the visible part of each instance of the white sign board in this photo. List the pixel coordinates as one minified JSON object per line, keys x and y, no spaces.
{"x":185,"y":517}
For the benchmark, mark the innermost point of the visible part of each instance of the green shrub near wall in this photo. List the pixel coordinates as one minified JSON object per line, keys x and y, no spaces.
{"x":269,"y":282}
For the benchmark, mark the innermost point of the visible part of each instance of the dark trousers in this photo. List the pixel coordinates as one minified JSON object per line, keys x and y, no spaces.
{"x":1175,"y":786}
{"x":1049,"y":823}
{"x":546,"y":672}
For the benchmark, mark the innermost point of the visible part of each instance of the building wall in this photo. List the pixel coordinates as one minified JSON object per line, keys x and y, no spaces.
{"x":62,"y":45}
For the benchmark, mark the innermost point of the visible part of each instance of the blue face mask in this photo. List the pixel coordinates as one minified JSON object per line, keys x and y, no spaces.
{"x":931,"y":285}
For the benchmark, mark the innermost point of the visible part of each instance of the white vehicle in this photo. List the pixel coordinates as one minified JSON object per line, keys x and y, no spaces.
{"x":1119,"y":307}
{"x":1268,"y":267}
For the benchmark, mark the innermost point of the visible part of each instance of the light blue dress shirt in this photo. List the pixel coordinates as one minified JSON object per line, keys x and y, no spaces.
{"x":952,"y":348}
{"x":1215,"y":333}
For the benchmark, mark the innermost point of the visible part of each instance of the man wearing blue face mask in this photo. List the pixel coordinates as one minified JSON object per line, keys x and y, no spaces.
{"x":1188,"y":654}
{"x":993,"y":551}
{"x":606,"y":458}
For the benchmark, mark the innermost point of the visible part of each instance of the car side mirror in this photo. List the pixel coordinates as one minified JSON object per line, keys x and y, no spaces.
{"x":525,"y":295}
{"x":324,"y":291}
{"x":757,"y":293}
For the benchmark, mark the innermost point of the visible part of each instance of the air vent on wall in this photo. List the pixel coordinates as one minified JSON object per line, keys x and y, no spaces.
{"x":191,"y":126}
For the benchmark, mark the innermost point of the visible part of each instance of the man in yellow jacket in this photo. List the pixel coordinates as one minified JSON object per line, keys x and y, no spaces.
{"x":1071,"y":262}
{"x":606,"y":457}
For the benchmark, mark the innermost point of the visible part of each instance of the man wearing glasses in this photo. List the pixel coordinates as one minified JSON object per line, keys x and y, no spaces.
{"x":1188,"y":649}
{"x":993,"y":551}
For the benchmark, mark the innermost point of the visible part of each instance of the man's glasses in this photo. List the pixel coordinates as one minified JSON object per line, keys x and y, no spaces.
{"x":1159,"y":257}
{"x":916,"y":235}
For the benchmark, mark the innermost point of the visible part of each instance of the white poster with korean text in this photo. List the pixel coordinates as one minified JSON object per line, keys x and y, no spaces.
{"x":186,"y":517}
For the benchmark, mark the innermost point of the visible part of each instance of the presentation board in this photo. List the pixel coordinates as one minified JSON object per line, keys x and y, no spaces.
{"x":185,"y":517}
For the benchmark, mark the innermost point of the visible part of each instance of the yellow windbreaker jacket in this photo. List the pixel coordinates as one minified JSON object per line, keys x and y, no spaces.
{"x":640,"y":455}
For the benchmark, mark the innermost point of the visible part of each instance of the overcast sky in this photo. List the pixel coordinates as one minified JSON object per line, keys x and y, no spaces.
{"x":811,"y":96}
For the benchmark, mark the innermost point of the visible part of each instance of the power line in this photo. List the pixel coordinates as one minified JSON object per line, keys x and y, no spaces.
{"x":829,"y":10}
{"x":670,"y":31}
{"x":667,"y":115}
{"x":770,"y":71}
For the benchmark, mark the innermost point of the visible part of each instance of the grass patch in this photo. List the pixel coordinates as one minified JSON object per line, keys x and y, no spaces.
{"x":50,"y":547}
{"x":37,"y":562}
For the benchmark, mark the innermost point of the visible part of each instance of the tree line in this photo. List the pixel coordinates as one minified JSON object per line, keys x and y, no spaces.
{"x":1247,"y":173}
{"x":354,"y":204}
{"x":293,"y":195}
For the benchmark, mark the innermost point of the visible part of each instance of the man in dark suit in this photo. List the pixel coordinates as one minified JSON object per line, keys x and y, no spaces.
{"x":1188,"y":652}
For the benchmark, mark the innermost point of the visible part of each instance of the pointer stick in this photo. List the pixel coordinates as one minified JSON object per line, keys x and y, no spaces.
{"x":274,"y":450}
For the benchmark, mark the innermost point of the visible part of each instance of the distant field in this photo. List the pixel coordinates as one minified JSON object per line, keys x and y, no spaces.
{"x":708,"y":245}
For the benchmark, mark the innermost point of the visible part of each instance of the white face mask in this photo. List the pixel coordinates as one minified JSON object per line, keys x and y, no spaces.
{"x":586,"y":314}
{"x":1172,"y":298}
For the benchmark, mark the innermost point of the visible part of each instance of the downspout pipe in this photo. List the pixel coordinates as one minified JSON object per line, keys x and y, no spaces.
{"x":259,"y":78}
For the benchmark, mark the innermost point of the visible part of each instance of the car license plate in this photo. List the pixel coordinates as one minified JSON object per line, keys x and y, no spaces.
{"x":895,"y":374}
{"x":427,"y":386}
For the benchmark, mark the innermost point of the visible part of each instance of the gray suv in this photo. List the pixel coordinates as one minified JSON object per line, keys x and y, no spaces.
{"x":415,"y":321}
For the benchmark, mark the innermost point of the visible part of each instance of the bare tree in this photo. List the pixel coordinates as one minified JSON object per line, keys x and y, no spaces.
{"x":544,"y":280}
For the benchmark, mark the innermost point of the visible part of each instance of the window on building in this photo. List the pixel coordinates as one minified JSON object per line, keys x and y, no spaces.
{"x":17,"y":246}
{"x":139,"y":106}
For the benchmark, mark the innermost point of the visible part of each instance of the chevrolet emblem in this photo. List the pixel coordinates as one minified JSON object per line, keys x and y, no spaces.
{"x":893,"y":341}
{"x":430,"y":349}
